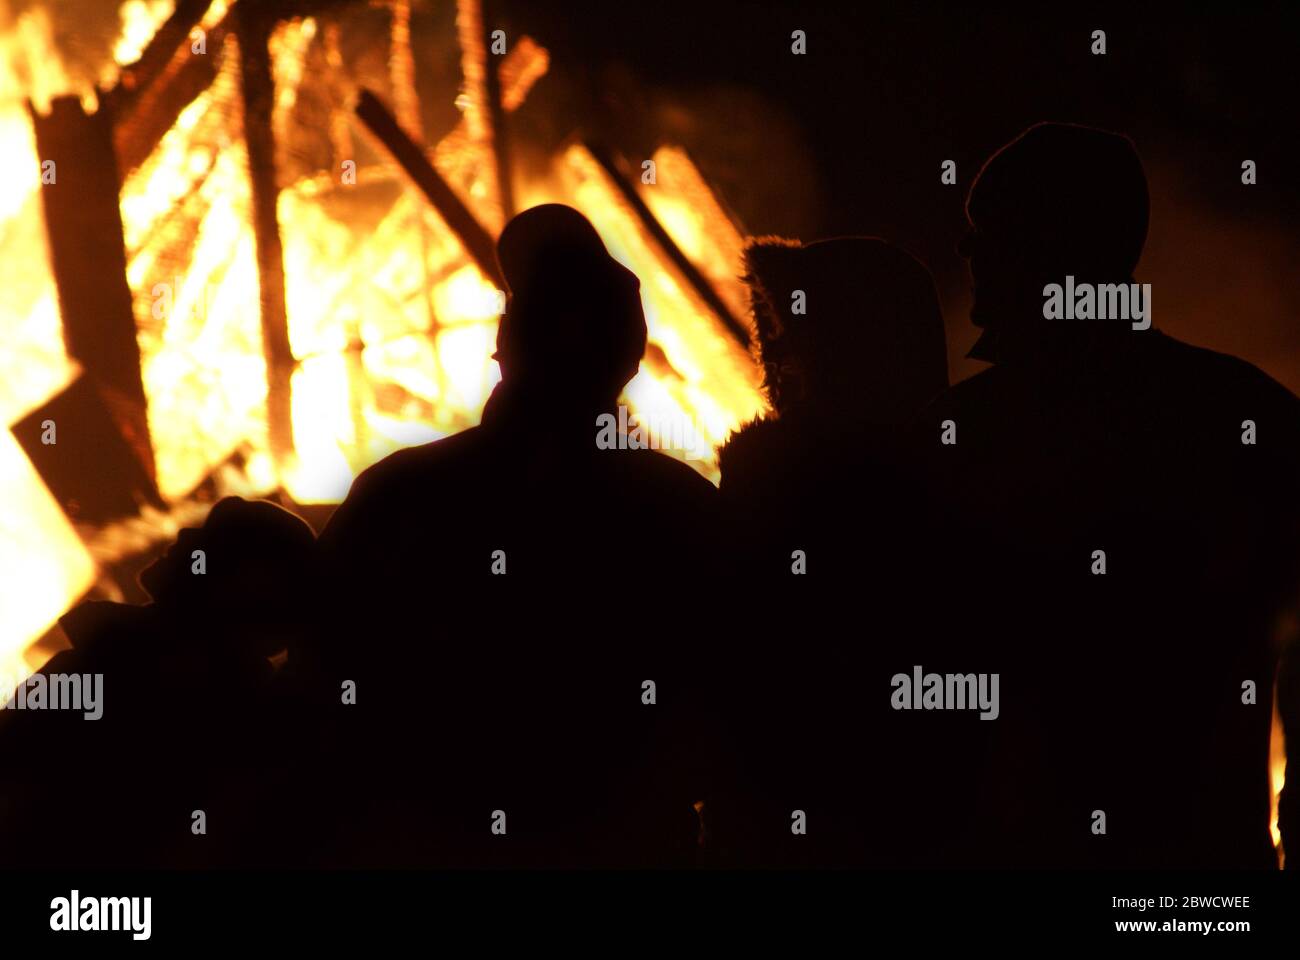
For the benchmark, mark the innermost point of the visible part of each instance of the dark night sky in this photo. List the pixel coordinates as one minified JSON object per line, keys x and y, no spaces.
{"x":849,"y":138}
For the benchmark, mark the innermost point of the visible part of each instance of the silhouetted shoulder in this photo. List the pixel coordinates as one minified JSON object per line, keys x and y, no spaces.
{"x":101,"y":630}
{"x":664,"y":470}
{"x":1178,"y":373}
{"x":1217,"y":403}
{"x":1220,"y":374}
{"x":457,"y":451}
{"x":978,"y":395}
{"x":396,"y":482}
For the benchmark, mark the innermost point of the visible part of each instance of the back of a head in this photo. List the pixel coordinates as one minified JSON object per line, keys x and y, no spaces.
{"x":258,"y":532}
{"x":574,"y":324}
{"x":870,"y":345}
{"x":258,"y":563}
{"x":1071,"y":199}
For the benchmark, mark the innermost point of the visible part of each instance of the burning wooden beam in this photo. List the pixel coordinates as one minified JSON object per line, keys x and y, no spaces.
{"x":154,"y":90}
{"x":674,"y":253}
{"x":258,"y":89}
{"x":476,"y":240}
{"x":496,"y":112}
{"x":91,"y":470}
{"x":481,"y":99}
{"x":159,"y":57}
{"x":401,"y":69}
{"x":525,"y":64}
{"x":88,"y":260}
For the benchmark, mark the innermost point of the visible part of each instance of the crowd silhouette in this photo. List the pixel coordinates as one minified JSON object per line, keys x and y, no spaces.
{"x":514,"y":648}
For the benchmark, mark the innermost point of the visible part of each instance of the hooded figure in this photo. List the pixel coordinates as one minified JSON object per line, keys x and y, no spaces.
{"x":820,"y":514}
{"x":867,"y":347}
{"x":843,"y":375}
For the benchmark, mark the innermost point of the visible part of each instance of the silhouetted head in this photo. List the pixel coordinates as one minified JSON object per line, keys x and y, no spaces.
{"x":1059,"y":200}
{"x":870,"y":345}
{"x":257,"y":561}
{"x":574,"y":332}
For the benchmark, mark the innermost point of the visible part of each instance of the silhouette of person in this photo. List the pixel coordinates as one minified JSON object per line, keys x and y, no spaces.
{"x":1125,"y":523}
{"x":842,"y":379}
{"x":820,"y":480}
{"x":522,"y":581}
{"x":187,"y":717}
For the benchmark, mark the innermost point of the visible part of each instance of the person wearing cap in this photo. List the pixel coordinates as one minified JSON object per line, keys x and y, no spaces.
{"x":1125,"y":535}
{"x":504,"y":593}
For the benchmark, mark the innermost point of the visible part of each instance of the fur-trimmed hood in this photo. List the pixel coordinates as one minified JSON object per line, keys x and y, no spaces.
{"x":849,"y":322}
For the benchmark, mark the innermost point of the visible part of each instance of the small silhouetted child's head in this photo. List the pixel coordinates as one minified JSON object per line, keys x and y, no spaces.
{"x":574,"y":331}
{"x":243,"y":576}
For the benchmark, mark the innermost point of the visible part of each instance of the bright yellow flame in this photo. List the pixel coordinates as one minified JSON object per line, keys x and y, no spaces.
{"x":206,"y":376}
{"x":464,"y":353}
{"x":690,"y":213}
{"x":198,"y":318}
{"x":1277,"y":772}
{"x":19,"y":165}
{"x":140,"y":21}
{"x":43,"y":565}
{"x":392,"y":328}
{"x":33,"y":362}
{"x":30,"y":64}
{"x":467,"y":296}
{"x":215,"y":13}
{"x":288,"y":46}
{"x":155,"y":189}
{"x":321,"y":430}
{"x":410,"y":363}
